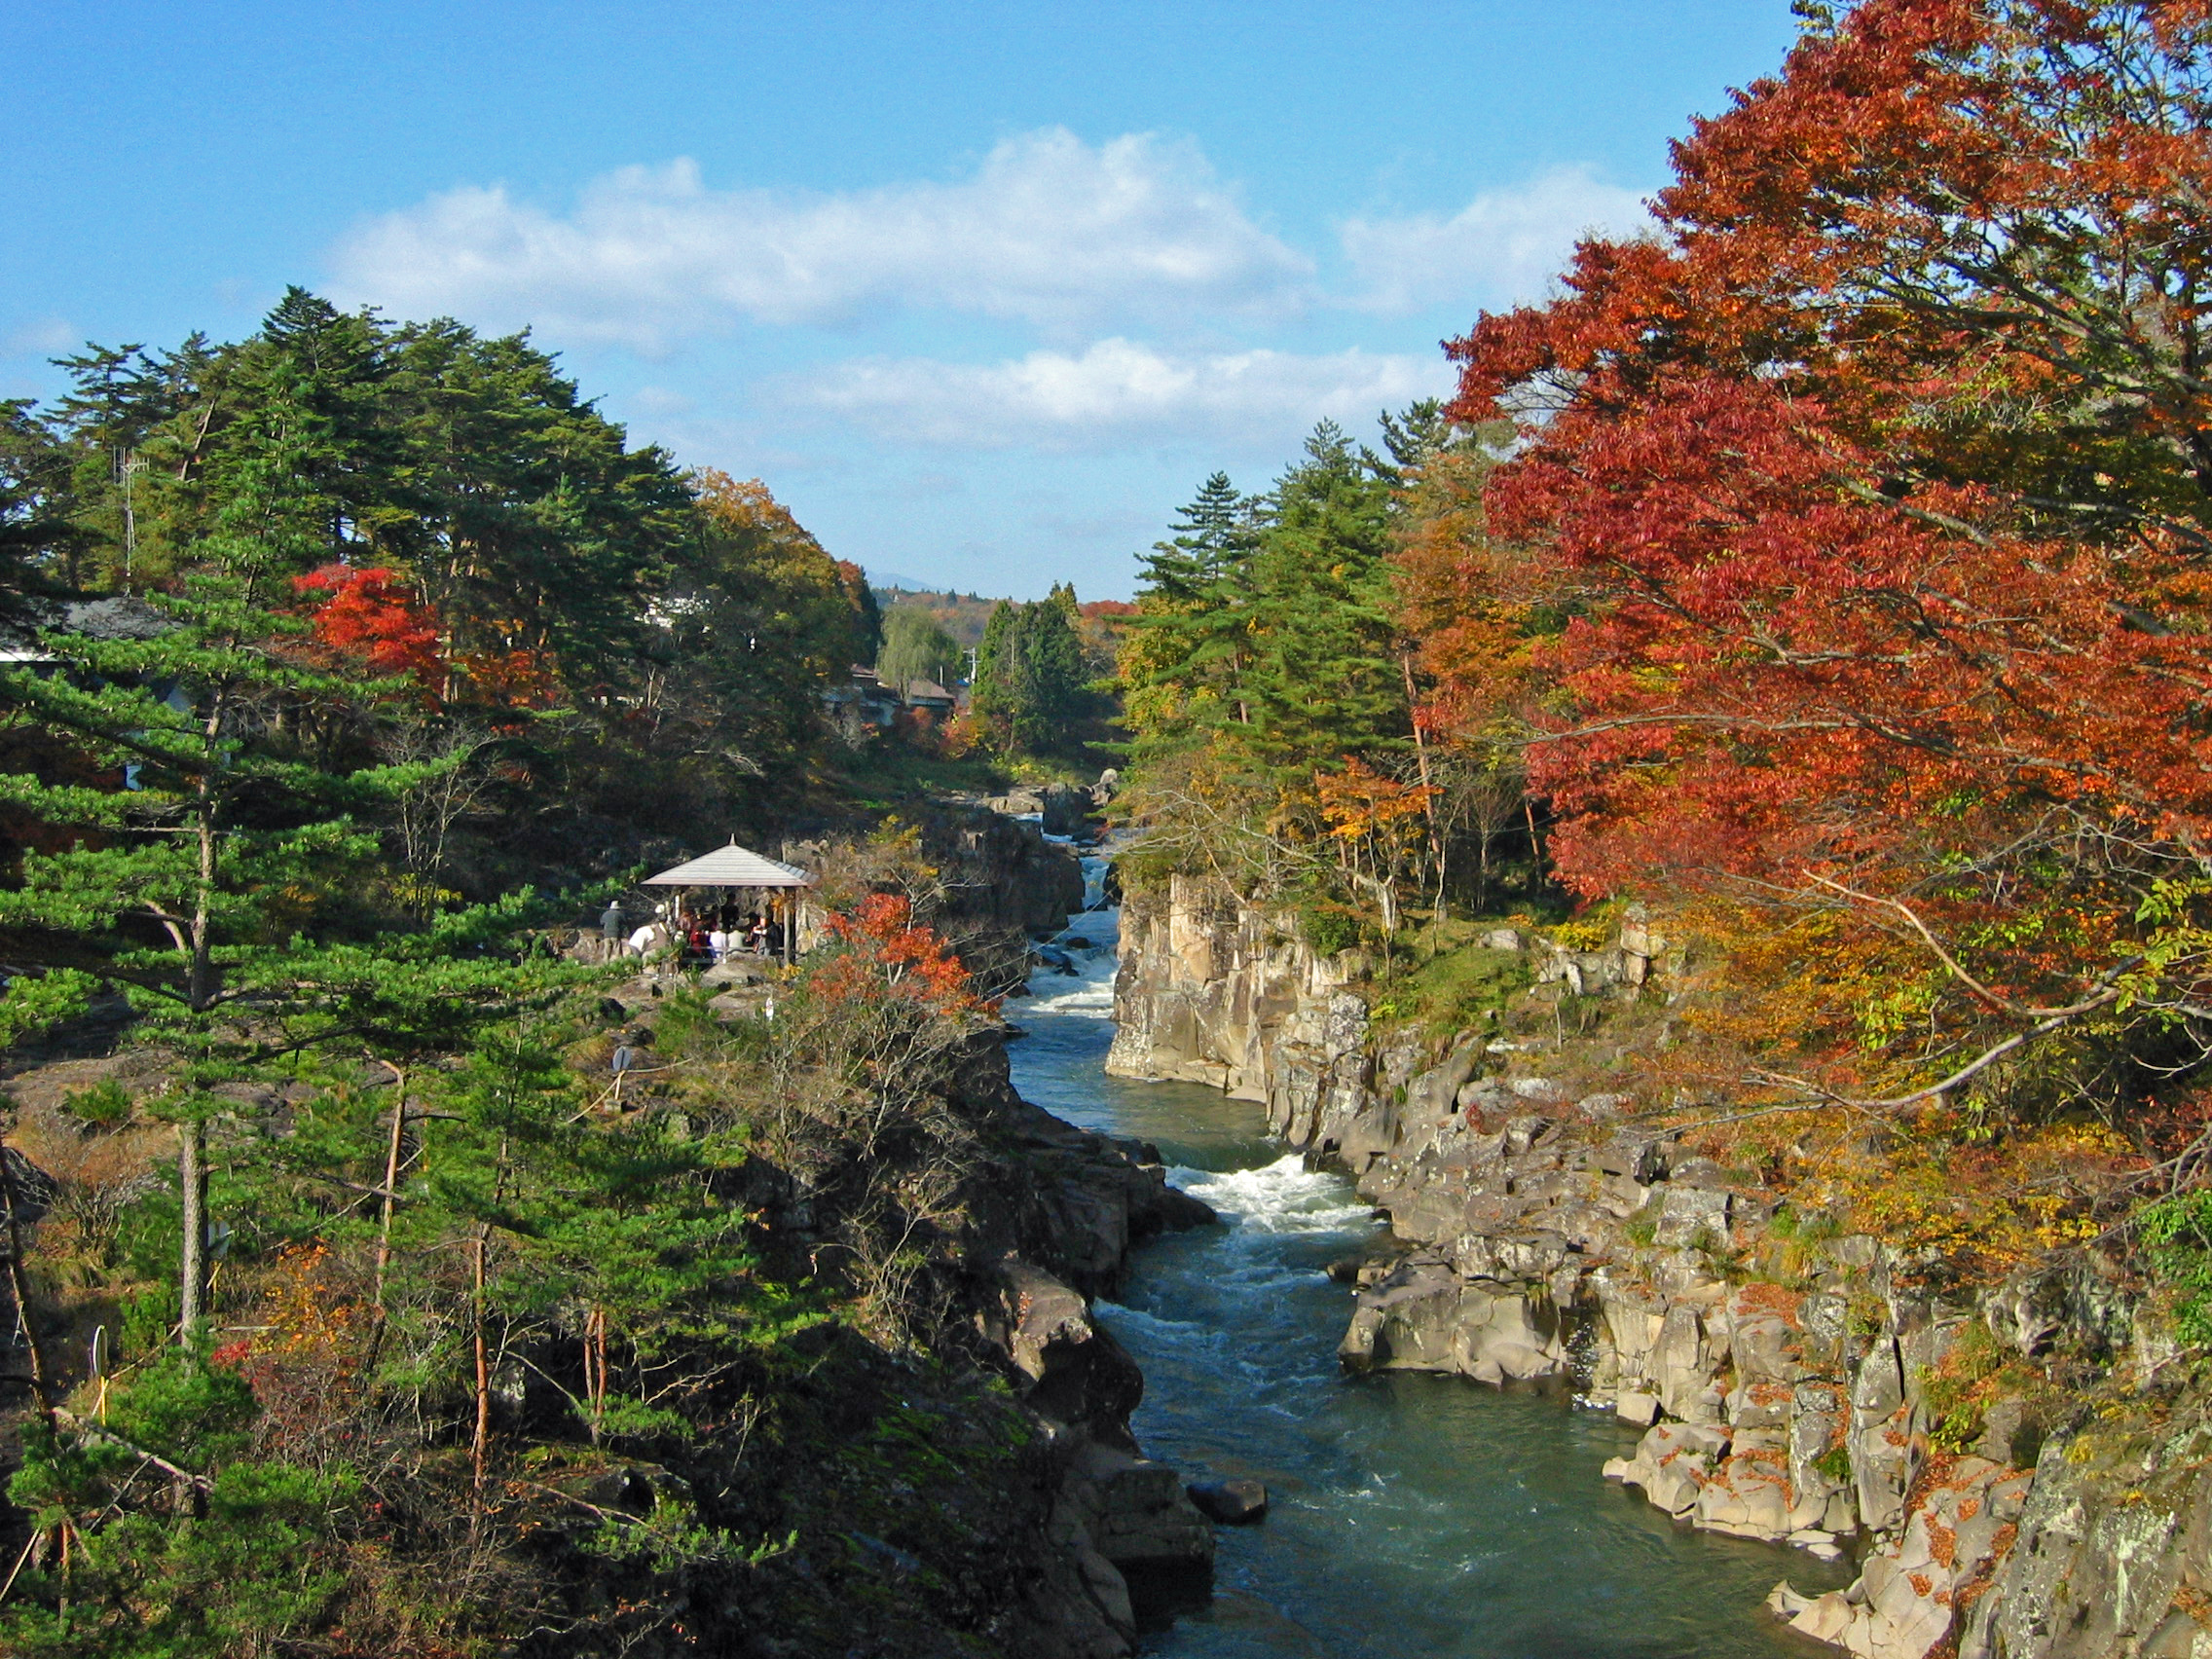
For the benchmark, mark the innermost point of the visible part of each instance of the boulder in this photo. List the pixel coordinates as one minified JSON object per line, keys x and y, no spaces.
{"x":1063,"y":809}
{"x":2069,"y":1299}
{"x":1672,"y":1464}
{"x":1430,"y":1096}
{"x":1068,"y":1368}
{"x":1692,"y":1217}
{"x":1233,"y":1503}
{"x":1885,"y":1436}
{"x":1634,"y":1405}
{"x":1425,"y":1318}
{"x":1747,"y":1495}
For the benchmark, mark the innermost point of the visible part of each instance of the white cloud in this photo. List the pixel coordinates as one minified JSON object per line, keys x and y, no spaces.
{"x":1116,"y":391}
{"x":661,"y":400}
{"x":1502,"y":246}
{"x":1049,"y":231}
{"x":46,"y":337}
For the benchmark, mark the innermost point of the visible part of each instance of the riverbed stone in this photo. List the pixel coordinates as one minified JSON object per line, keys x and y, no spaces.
{"x":1634,"y":1405}
{"x":1233,"y":1503}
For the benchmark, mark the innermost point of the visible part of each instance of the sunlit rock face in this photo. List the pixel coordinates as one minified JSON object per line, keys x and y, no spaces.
{"x":1785,"y":1384}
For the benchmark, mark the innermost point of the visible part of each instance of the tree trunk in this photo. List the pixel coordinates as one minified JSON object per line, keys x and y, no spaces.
{"x":595,"y":1367}
{"x":18,"y":1288}
{"x":200,"y":991}
{"x":192,"y":1176}
{"x":481,"y":1442}
{"x":391,"y":1178}
{"x":1420,"y":759}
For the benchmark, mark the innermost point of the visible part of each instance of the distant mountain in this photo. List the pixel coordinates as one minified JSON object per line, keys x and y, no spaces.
{"x":893,"y":579}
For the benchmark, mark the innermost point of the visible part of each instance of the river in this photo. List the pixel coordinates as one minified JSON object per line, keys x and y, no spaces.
{"x":1411,"y":1516}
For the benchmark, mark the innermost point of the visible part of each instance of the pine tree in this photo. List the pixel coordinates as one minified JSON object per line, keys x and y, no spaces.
{"x":1183,"y":657}
{"x":1265,"y":636}
{"x":1030,"y":687}
{"x":212,"y":868}
{"x":992,"y":698}
{"x":1321,"y":679}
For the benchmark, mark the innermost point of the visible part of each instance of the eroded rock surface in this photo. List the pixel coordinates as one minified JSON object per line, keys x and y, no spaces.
{"x":1783,"y":1377}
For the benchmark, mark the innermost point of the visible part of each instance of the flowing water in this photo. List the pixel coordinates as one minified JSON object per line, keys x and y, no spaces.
{"x":1411,"y":1515}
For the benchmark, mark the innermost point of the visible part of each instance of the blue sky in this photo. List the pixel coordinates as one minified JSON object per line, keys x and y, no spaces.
{"x":982,"y":291}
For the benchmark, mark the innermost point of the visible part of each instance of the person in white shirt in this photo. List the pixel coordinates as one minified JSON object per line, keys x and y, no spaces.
{"x":718,"y":941}
{"x":642,"y":942}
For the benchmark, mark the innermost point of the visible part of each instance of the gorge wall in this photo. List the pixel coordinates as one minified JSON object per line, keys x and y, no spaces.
{"x":2014,"y":1465}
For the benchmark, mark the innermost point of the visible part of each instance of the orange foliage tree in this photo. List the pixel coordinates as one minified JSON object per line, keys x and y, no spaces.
{"x":371,"y":617}
{"x":1880,"y":486}
{"x":1377,"y":825}
{"x":887,"y":956}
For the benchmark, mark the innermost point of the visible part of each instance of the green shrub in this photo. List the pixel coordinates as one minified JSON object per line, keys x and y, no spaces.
{"x":1953,"y":1388}
{"x":103,"y":1106}
{"x":1463,"y":987}
{"x":2176,"y":1235}
{"x":1328,"y":928}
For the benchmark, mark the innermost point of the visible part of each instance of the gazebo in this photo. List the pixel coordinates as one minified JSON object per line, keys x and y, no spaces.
{"x":733,"y":866}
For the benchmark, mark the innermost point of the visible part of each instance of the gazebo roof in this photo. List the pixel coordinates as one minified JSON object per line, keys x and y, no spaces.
{"x":731,"y":866}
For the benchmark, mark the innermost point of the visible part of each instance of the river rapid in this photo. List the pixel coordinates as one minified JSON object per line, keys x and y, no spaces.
{"x":1411,"y":1515}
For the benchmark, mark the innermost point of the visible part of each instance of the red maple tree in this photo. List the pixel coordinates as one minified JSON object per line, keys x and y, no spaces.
{"x":888,"y":957}
{"x":1878,"y":488}
{"x":369,"y":616}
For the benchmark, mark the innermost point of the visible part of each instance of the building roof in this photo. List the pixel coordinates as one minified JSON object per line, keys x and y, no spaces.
{"x":731,"y":866}
{"x":926,"y":691}
{"x":117,"y":616}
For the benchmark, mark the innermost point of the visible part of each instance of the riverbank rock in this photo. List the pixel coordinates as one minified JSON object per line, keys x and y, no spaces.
{"x":1065,"y":1196}
{"x":1425,"y":1318}
{"x":1907,"y":1600}
{"x":1233,"y":1503}
{"x":1785,"y":1379}
{"x":1146,"y":1550}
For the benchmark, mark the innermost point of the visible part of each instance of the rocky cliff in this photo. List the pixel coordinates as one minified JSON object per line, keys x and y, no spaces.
{"x":1056,"y":1211}
{"x":2009,"y":1462}
{"x":1098,"y":1538}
